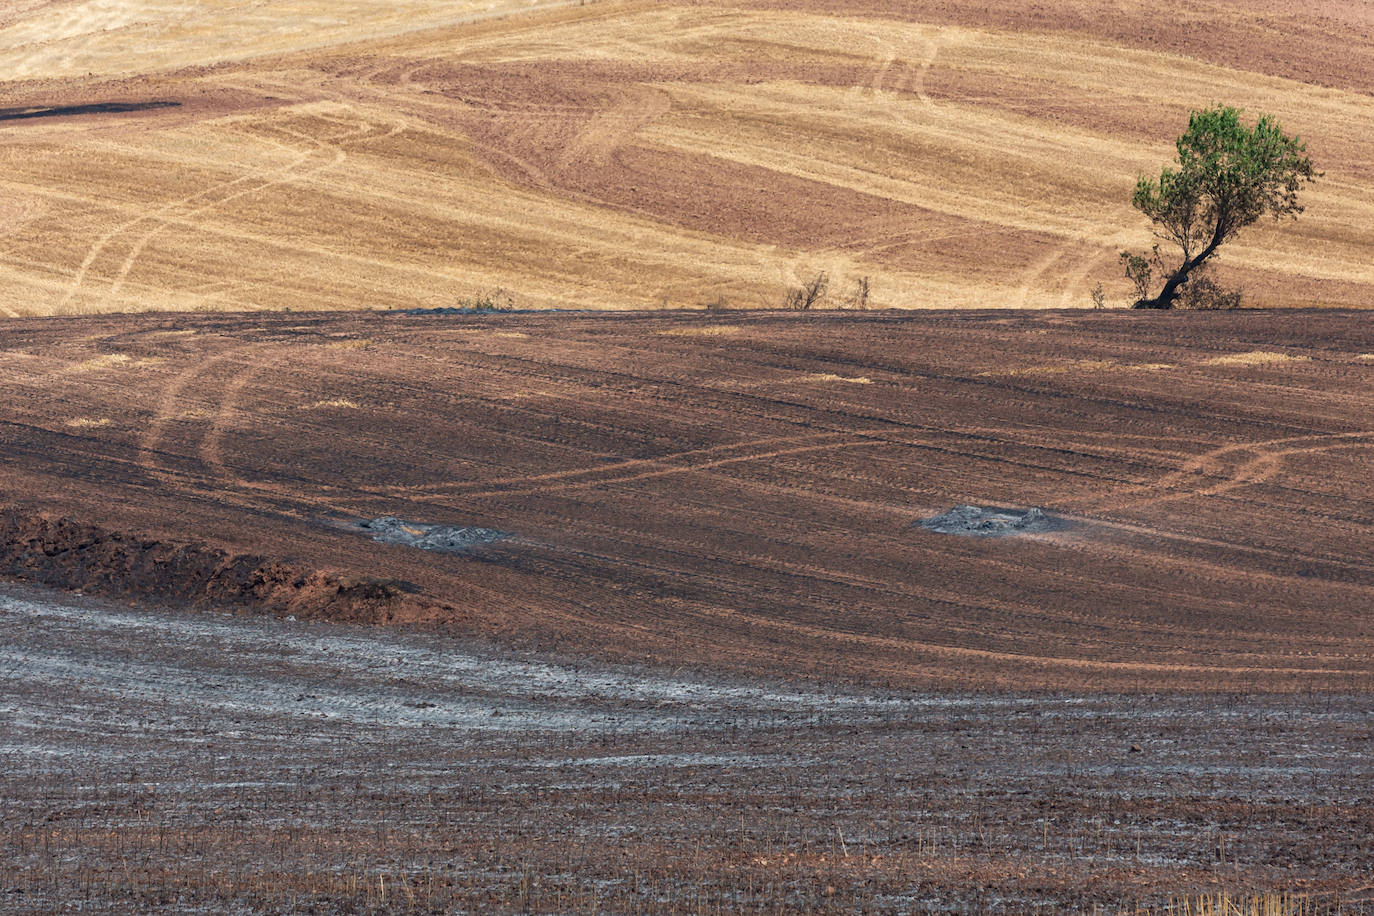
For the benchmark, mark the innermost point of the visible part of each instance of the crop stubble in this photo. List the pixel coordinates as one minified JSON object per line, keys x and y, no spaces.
{"x":629,"y":154}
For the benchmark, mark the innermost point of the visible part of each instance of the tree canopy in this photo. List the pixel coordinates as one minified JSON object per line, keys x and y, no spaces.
{"x":1227,"y":176}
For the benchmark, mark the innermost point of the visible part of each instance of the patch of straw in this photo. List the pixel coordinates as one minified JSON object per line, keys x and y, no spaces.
{"x":88,"y":422}
{"x":337,"y":403}
{"x":706,"y":330}
{"x":113,"y":361}
{"x":1255,"y":358}
{"x":1224,"y":904}
{"x":832,"y":377}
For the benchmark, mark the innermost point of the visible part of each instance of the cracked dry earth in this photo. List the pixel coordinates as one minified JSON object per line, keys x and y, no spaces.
{"x":208,"y":763}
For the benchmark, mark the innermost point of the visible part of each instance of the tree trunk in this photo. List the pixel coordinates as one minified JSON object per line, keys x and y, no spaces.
{"x":1166,"y":297}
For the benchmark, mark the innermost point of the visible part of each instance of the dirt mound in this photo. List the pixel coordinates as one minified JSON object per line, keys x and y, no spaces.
{"x":444,"y":538}
{"x":64,"y":553}
{"x":991,"y":522}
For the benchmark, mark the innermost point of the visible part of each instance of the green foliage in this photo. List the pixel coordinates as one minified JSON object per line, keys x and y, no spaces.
{"x":1140,"y":270}
{"x":1227,"y":177}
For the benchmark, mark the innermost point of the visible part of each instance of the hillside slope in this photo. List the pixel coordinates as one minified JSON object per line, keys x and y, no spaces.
{"x":623,"y":154}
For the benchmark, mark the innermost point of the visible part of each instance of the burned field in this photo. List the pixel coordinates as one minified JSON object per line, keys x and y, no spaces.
{"x":200,"y":762}
{"x":744,"y":492}
{"x":659,"y":618}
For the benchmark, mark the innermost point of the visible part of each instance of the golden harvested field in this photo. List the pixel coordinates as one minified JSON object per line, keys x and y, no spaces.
{"x":610,"y":154}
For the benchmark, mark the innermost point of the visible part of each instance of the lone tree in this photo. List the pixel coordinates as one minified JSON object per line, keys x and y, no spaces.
{"x":1227,"y":177}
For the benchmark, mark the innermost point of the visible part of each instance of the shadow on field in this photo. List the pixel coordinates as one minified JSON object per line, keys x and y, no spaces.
{"x":21,"y":114}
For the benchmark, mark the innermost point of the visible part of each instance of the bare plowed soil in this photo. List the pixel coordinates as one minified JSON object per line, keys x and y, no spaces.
{"x":740,"y":492}
{"x":325,"y":154}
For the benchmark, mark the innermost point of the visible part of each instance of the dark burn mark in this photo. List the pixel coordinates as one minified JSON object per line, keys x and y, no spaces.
{"x":21,"y":114}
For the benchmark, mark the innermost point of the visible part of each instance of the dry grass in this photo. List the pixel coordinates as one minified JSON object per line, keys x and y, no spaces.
{"x":625,"y":154}
{"x":709,"y":330}
{"x":1255,"y":358}
{"x":334,"y":404}
{"x":88,"y":422}
{"x":1226,"y":904}
{"x":349,"y":344}
{"x":112,"y":361}
{"x":831,"y":377}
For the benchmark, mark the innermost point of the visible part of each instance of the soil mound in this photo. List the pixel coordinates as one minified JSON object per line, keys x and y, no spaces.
{"x":64,"y":553}
{"x":991,"y":522}
{"x":443,"y":538}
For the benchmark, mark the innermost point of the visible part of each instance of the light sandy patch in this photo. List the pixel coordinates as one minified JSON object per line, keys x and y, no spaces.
{"x":195,"y":413}
{"x":710,"y":330}
{"x":336,"y":403}
{"x":511,"y":335}
{"x":831,"y":377}
{"x":1367,"y":357}
{"x":349,"y":344}
{"x":1255,"y":358}
{"x":88,"y":422}
{"x":183,"y":333}
{"x":114,"y":361}
{"x":96,"y":36}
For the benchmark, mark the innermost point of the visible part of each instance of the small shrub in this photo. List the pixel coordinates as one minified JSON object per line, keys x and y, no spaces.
{"x":496,"y":300}
{"x":1099,"y":297}
{"x":1202,"y":292}
{"x":1140,"y":270}
{"x":859,"y":298}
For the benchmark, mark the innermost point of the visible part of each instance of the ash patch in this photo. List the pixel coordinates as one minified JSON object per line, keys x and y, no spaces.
{"x":443,"y":538}
{"x":991,"y":522}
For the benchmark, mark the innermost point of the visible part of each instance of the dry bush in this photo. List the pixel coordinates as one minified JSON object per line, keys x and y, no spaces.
{"x":805,"y":298}
{"x":1202,"y":292}
{"x":494,"y":300}
{"x":858,"y":299}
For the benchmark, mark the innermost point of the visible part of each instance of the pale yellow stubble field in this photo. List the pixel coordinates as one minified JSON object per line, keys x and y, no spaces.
{"x":612,"y":155}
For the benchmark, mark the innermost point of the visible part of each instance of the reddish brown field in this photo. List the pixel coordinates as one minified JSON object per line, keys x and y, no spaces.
{"x":740,"y":492}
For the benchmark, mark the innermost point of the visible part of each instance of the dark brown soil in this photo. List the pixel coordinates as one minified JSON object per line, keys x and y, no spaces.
{"x":66,"y":554}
